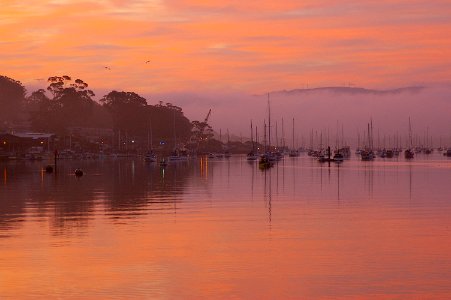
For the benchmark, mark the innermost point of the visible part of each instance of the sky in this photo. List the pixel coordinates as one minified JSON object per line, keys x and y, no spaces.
{"x":219,"y":49}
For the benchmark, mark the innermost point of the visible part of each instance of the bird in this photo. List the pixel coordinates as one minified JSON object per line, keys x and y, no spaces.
{"x":147,"y":61}
{"x":108,"y":68}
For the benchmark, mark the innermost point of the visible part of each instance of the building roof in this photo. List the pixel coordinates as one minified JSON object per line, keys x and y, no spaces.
{"x":32,"y":135}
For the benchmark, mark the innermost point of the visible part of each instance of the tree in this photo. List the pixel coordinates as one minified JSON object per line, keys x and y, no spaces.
{"x":201,"y":133}
{"x":74,"y":99}
{"x":12,"y":97}
{"x":127,"y":109}
{"x":168,"y":122}
{"x":71,"y":105}
{"x":41,"y":111}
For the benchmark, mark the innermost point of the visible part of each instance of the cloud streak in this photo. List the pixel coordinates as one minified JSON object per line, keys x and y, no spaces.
{"x":215,"y":45}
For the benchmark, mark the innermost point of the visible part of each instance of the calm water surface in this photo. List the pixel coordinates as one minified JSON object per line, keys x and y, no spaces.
{"x":225,"y":229}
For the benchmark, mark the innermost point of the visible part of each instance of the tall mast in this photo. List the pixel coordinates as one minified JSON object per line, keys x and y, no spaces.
{"x":252,"y":137}
{"x":372,"y":145}
{"x":283,"y":136}
{"x":256,"y":135}
{"x":293,"y":134}
{"x":410,"y":134}
{"x":269,"y":124}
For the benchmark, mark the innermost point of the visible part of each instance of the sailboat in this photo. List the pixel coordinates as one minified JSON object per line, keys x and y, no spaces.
{"x":409,"y":153}
{"x":253,"y":155}
{"x":267,"y":158}
{"x":177,"y":154}
{"x":227,"y":153}
{"x":293,"y":152}
{"x":150,"y":155}
{"x":367,"y":154}
{"x":265,"y":162}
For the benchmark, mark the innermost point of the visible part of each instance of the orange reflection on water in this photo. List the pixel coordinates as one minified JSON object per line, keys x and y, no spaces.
{"x":275,"y":238}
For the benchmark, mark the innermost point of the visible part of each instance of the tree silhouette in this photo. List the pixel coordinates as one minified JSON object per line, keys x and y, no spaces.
{"x":127,"y":110}
{"x":12,"y":97}
{"x":71,"y":105}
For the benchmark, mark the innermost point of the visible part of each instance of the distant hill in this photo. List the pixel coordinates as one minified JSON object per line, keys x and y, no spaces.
{"x":349,"y":90}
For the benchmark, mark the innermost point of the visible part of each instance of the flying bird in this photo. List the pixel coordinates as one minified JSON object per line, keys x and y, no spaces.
{"x":108,"y":68}
{"x":147,"y":61}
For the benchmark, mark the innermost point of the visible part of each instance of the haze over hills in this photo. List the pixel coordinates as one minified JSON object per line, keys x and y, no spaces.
{"x":321,"y":109}
{"x":350,"y":90}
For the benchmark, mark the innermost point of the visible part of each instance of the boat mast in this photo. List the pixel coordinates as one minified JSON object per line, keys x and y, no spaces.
{"x":269,"y":125}
{"x":252,"y":138}
{"x":410,"y":134}
{"x":283,"y":137}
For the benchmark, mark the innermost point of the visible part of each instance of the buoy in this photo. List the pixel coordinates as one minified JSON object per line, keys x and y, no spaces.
{"x":49,"y":169}
{"x":78,"y":173}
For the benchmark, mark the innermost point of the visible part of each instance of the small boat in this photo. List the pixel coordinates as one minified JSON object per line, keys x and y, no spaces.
{"x":366,"y":155}
{"x":150,"y":157}
{"x":389,"y":153}
{"x":338,"y":157}
{"x":265,"y":162}
{"x":345,"y":151}
{"x":252,"y":156}
{"x":322,"y":158}
{"x":178,"y":155}
{"x":447,"y":153}
{"x":294,"y":153}
{"x":409,"y":154}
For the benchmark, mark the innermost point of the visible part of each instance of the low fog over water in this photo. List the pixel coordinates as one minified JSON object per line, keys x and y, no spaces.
{"x":321,"y":108}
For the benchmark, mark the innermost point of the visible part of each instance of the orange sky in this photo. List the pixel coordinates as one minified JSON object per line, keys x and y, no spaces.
{"x":250,"y":46}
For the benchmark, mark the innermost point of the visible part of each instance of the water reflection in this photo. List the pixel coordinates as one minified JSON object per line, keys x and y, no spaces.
{"x":222,"y":228}
{"x":122,"y":189}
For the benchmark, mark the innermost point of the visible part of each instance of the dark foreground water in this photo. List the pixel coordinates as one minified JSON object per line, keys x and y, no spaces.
{"x":225,"y":229}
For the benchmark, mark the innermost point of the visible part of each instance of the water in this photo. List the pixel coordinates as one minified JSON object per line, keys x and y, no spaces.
{"x":225,"y":229}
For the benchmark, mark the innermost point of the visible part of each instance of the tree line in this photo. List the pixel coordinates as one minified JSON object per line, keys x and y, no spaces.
{"x":68,"y":103}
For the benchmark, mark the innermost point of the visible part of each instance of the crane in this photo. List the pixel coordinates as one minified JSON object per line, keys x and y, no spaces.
{"x":201,"y":127}
{"x":208,"y":116}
